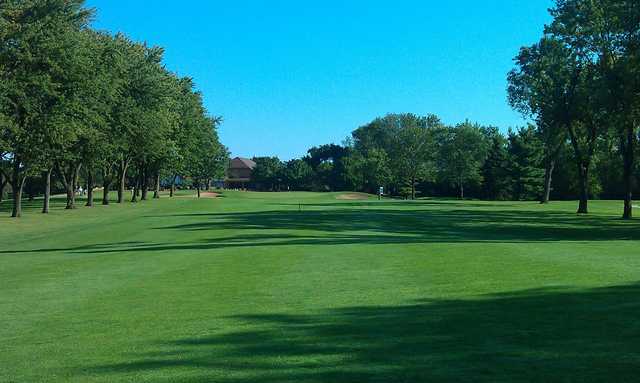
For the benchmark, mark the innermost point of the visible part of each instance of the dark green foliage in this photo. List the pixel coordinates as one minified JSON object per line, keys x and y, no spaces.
{"x":297,"y":175}
{"x":526,"y":171}
{"x":582,"y":81}
{"x":328,"y":166}
{"x":495,"y":171}
{"x":462,"y":152}
{"x":268,"y":175}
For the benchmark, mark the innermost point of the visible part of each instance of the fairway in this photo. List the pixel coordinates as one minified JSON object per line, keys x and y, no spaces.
{"x":316,"y":287}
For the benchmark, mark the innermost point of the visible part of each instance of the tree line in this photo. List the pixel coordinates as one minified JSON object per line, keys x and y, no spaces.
{"x":80,"y":106}
{"x":580,"y":87}
{"x":412,"y":156}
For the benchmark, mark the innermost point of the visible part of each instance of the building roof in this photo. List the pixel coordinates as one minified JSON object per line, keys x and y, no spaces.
{"x":241,"y":163}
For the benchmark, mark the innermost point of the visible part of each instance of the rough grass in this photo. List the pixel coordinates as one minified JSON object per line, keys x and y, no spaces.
{"x":301,"y":287}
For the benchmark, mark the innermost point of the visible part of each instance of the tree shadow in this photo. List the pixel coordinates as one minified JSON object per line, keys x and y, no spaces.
{"x":353,"y":225}
{"x":421,"y":225}
{"x":545,"y":335}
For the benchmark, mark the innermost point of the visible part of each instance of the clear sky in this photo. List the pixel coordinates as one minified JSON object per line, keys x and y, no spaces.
{"x":288,"y":75}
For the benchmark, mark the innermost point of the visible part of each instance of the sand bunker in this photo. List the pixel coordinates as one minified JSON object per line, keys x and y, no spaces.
{"x":202,"y":195}
{"x":353,"y":196}
{"x":208,"y":195}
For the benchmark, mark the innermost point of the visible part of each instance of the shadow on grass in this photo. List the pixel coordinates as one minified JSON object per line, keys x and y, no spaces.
{"x":545,"y":335}
{"x":352,"y":225}
{"x":57,"y":202}
{"x":392,"y":225}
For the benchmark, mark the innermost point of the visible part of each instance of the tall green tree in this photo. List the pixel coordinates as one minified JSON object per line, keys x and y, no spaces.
{"x":327,"y":162}
{"x":267,"y":174}
{"x":496,"y":184}
{"x":208,"y":158}
{"x":412,"y":153}
{"x":33,"y":66}
{"x":554,"y":85}
{"x":369,"y":170}
{"x":298,"y":174}
{"x":462,"y":152}
{"x":603,"y":35}
{"x":526,"y":153}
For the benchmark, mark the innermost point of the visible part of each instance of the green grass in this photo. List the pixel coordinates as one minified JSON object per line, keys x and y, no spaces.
{"x":302,"y":287}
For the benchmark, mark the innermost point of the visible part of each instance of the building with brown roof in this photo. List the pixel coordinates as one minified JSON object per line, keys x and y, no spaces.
{"x":239,"y":173}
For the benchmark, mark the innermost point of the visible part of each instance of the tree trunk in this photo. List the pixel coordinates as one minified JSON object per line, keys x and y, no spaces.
{"x":106,"y":185}
{"x":89,"y":187}
{"x":144,"y":182}
{"x":628,"y":153}
{"x":198,"y":188}
{"x":47,"y":190}
{"x":3,"y":183}
{"x":548,"y":174}
{"x":134,"y":194}
{"x":17,"y":184}
{"x":122,"y":179}
{"x":583,"y":175}
{"x":70,"y":196}
{"x":413,"y":188}
{"x":461,"y":185}
{"x":173,"y":186}
{"x":156,"y":191}
{"x":71,"y":184}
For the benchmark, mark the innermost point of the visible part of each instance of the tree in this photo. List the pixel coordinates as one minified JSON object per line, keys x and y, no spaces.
{"x":551,"y":83}
{"x":368,"y":171}
{"x":407,"y":141}
{"x":327,"y":163}
{"x":461,"y":154}
{"x":525,"y":164}
{"x":84,"y":112}
{"x":603,"y":35}
{"x":413,"y":148}
{"x":267,"y":175}
{"x":298,"y":175}
{"x":208,"y":157}
{"x":33,"y":62}
{"x":496,"y":184}
{"x":184,"y":137}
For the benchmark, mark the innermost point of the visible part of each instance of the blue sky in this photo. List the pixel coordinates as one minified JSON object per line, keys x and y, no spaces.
{"x":287,"y":75}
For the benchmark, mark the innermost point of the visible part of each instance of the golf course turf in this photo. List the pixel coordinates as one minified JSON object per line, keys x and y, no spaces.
{"x":312,"y":287}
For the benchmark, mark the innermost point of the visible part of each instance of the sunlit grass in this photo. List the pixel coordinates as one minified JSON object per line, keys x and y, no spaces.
{"x":306,"y":287}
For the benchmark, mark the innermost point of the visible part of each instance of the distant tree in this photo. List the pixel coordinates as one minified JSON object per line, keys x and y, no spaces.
{"x":184,"y":137}
{"x":267,"y":175}
{"x":462,"y":152}
{"x":407,"y":141}
{"x":496,"y":184}
{"x":525,"y":168}
{"x":298,"y":175}
{"x":412,"y":153}
{"x":328,"y":165}
{"x":209,"y":157}
{"x":369,"y":170}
